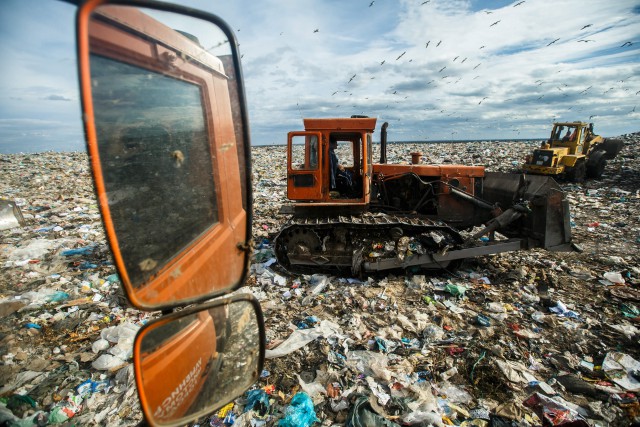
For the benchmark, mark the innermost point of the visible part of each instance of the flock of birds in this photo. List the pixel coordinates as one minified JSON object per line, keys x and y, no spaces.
{"x":444,"y":77}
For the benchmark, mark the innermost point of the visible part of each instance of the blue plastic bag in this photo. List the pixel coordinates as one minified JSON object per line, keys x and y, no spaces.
{"x":257,"y":400}
{"x":300,"y":413}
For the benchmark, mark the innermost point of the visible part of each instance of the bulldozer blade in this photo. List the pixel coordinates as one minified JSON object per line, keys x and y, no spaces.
{"x":547,"y":225}
{"x":611,"y":147}
{"x":10,"y":215}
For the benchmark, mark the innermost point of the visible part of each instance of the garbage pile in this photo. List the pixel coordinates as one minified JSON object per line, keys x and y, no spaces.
{"x":524,"y":338}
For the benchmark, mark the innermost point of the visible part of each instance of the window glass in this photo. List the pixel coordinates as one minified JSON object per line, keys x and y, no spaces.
{"x":304,"y":152}
{"x":156,"y":161}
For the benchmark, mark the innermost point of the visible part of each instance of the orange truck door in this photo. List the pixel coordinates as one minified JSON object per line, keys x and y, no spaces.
{"x":304,"y":166}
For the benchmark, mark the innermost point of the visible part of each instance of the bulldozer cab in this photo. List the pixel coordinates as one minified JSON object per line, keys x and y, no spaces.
{"x":571,"y":136}
{"x":330,"y":162}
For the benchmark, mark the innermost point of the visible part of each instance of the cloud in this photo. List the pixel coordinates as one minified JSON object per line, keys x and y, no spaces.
{"x":494,"y":79}
{"x":56,"y":98}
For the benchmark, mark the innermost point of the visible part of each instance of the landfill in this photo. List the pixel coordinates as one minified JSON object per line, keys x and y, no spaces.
{"x":525,"y":338}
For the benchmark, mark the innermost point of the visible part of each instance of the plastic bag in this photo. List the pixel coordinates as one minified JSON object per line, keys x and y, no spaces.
{"x":300,"y":413}
{"x":362,"y":415}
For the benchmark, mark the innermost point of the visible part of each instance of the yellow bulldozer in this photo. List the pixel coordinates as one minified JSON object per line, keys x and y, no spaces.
{"x":573,"y":152}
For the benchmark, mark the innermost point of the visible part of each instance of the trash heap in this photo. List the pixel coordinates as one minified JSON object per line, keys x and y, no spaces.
{"x":524,"y":338}
{"x":66,"y":332}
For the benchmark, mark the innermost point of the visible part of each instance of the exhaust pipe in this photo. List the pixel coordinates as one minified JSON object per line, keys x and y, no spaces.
{"x":383,"y":143}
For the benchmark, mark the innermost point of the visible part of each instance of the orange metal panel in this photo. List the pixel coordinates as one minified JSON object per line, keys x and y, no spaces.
{"x":337,"y":124}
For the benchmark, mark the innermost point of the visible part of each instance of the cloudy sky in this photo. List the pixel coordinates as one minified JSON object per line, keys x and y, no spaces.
{"x":435,"y":70}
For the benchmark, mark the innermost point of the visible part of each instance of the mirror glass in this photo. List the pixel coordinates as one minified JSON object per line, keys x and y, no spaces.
{"x":193,"y":363}
{"x":165,"y":135}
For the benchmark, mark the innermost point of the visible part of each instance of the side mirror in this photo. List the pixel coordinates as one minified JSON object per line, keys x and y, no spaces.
{"x":195,"y":361}
{"x":167,"y":135}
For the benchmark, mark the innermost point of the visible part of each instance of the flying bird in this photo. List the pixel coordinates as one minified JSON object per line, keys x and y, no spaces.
{"x":352,"y":77}
{"x":425,"y":2}
{"x":371,"y":4}
{"x":482,"y":100}
{"x":316,"y":30}
{"x":518,"y":4}
{"x":334,"y":93}
{"x":401,"y":55}
{"x":454,"y":59}
{"x":627,"y":44}
{"x":441,"y":42}
{"x":427,"y":45}
{"x":442,"y":69}
{"x":586,"y":40}
{"x":495,"y":23}
{"x":553,"y":42}
{"x":383,"y":61}
{"x":488,"y":12}
{"x":462,"y":62}
{"x":590,"y":117}
{"x":477,"y":66}
{"x":482,"y":47}
{"x":586,"y":26}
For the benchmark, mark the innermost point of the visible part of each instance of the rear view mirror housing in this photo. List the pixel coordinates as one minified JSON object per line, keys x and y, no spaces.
{"x":197,"y":360}
{"x":168,"y":139}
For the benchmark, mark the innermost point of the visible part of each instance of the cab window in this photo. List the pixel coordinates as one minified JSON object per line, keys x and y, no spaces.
{"x":304,"y":152}
{"x":156,"y":160}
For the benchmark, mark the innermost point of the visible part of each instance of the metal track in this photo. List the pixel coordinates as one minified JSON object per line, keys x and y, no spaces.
{"x":343,"y":243}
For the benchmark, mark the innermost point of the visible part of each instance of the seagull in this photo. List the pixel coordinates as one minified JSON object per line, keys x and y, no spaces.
{"x":383,"y":61}
{"x":441,"y":42}
{"x":590,"y":117}
{"x":352,"y":77}
{"x":454,"y":59}
{"x":586,"y":40}
{"x":627,"y":44}
{"x":487,"y":12}
{"x":495,"y":23}
{"x":462,"y":62}
{"x":401,"y":55}
{"x":553,"y":42}
{"x":586,"y":26}
{"x":371,"y":4}
{"x":427,"y":44}
{"x":334,"y":93}
{"x":482,"y":47}
{"x":425,"y":2}
{"x":441,"y":69}
{"x":316,"y":30}
{"x":477,"y":66}
{"x":482,"y":100}
{"x":518,"y":4}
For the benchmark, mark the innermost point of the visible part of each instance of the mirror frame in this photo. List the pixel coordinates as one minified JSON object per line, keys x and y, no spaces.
{"x":83,"y":16}
{"x":137,"y":361}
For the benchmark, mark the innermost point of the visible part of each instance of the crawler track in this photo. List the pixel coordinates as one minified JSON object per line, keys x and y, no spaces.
{"x":342,"y":243}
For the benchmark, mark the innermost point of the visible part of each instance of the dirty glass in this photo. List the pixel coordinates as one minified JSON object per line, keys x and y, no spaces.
{"x":304,"y":152}
{"x":226,"y":365}
{"x":156,"y":162}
